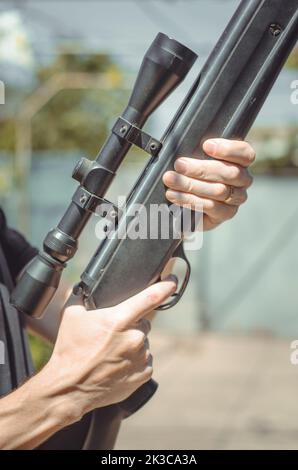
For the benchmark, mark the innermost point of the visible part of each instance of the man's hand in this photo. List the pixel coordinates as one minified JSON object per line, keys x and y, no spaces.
{"x":103,"y":355}
{"x":219,"y":185}
{"x":100,"y":357}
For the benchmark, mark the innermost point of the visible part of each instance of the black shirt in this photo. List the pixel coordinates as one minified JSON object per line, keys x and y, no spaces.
{"x":17,"y":251}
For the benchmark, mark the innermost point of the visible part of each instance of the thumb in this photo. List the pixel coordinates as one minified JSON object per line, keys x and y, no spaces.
{"x":136,"y":307}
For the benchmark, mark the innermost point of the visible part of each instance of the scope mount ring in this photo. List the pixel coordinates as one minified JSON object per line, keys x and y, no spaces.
{"x":134,"y":135}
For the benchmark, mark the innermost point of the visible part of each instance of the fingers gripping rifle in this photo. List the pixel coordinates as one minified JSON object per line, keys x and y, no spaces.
{"x":224,"y":101}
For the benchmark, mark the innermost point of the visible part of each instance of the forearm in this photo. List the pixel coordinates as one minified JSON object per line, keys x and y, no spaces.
{"x":37,"y":410}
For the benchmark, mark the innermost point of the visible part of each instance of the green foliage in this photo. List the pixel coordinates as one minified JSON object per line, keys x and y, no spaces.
{"x":41,"y":352}
{"x":84,"y":118}
{"x":293,"y":60}
{"x":65,"y":61}
{"x":77,"y":119}
{"x":7,"y":135}
{"x":74,"y":119}
{"x":277,"y":151}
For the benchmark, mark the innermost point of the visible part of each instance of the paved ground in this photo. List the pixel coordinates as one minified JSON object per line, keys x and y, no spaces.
{"x":218,"y":392}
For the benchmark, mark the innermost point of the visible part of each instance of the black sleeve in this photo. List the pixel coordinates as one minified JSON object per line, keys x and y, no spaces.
{"x":18,"y":252}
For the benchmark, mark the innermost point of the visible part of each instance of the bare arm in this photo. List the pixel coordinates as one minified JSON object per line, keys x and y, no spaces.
{"x":35,"y":411}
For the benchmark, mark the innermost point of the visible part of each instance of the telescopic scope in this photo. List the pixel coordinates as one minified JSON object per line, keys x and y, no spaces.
{"x":163,"y":68}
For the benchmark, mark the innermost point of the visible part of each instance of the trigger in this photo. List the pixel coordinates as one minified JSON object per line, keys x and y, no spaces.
{"x":170,"y":267}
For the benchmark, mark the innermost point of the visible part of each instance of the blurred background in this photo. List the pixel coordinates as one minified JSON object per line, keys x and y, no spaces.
{"x":222,"y":354}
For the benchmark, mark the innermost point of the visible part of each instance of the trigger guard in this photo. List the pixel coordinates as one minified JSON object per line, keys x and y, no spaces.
{"x":178,"y":253}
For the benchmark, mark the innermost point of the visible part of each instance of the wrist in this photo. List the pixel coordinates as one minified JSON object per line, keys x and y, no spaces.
{"x":42,"y":406}
{"x":61,"y":400}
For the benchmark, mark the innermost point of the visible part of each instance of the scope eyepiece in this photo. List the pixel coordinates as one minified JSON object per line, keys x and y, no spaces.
{"x":37,"y":285}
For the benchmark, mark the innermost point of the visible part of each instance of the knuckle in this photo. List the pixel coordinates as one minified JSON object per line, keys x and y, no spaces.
{"x":189,"y":187}
{"x":249,"y":180}
{"x":153,"y":298}
{"x":244,"y":197}
{"x":145,"y":359}
{"x":214,"y":212}
{"x":234,"y":173}
{"x":221,"y":211}
{"x":218,"y":213}
{"x":212,"y":205}
{"x":251,"y":154}
{"x":174,"y":197}
{"x":148,"y":372}
{"x":194,"y":202}
{"x":190,"y":200}
{"x":126,"y":365}
{"x":220,"y":191}
{"x":107,"y":323}
{"x":232,"y":212}
{"x":200,"y":171}
{"x":239,"y":197}
{"x":137,"y":339}
{"x":116,"y":323}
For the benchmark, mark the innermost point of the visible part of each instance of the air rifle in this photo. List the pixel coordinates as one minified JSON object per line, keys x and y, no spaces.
{"x":224,"y":102}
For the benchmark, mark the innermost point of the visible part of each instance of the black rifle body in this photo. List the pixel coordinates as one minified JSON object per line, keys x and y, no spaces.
{"x":223,"y":102}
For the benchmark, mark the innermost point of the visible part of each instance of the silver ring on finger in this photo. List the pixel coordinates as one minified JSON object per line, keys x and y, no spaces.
{"x":229,"y":197}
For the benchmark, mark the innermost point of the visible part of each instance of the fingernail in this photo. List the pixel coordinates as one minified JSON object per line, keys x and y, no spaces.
{"x":172,"y":278}
{"x":210,"y":147}
{"x":180,"y":165}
